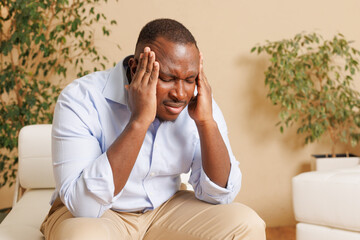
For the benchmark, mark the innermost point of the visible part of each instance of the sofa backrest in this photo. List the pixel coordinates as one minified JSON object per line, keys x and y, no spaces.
{"x":35,"y":161}
{"x":35,"y":164}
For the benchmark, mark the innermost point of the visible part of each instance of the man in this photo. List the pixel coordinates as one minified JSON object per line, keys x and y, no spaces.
{"x":122,"y":137}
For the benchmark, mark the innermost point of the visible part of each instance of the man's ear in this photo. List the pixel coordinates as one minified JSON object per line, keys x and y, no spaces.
{"x":132,"y":65}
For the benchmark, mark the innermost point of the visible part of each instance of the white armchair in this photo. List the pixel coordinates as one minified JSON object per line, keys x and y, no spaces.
{"x":327,"y":204}
{"x":34,"y":186}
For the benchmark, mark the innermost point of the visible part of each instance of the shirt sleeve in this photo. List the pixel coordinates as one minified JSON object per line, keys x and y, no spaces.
{"x":204,"y":188}
{"x":82,"y":171}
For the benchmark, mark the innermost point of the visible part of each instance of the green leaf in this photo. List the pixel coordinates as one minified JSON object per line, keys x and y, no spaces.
{"x":307,"y":78}
{"x":43,"y":49}
{"x":352,"y":71}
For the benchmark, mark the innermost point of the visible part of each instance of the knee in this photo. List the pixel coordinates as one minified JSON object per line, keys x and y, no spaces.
{"x":248,"y":223}
{"x":81,"y":228}
{"x":255,"y":226}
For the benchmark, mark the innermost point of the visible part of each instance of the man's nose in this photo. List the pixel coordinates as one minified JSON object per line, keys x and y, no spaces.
{"x":178,"y":92}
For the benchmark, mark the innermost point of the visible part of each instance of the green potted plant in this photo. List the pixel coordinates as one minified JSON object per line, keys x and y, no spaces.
{"x":311,"y":79}
{"x":39,"y":41}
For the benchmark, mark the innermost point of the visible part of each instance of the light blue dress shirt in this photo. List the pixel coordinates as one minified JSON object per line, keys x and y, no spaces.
{"x":90,"y":114}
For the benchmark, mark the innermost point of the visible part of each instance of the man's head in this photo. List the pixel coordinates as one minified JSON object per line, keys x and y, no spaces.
{"x":178,"y":56}
{"x":169,"y":29}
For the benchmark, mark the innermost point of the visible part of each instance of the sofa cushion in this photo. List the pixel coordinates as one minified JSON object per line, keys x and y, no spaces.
{"x":14,"y":232}
{"x":35,"y":165}
{"x":26,"y":216}
{"x":314,"y":232}
{"x":329,"y":198}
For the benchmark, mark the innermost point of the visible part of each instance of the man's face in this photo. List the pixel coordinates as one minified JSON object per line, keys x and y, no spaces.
{"x":179,"y":68}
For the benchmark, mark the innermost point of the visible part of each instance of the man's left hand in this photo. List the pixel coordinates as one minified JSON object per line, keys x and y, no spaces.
{"x":200,"y":106}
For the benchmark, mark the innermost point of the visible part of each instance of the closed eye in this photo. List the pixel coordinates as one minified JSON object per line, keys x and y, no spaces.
{"x":165,"y":79}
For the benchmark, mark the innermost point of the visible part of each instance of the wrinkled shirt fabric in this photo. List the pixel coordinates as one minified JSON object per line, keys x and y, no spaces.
{"x":91,"y":112}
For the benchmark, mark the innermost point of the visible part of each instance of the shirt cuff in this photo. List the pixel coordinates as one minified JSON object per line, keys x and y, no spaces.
{"x":99,"y":180}
{"x":220,"y":194}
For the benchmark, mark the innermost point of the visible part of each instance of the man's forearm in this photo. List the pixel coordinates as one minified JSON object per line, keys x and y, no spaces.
{"x":123,"y":153}
{"x":214,"y":154}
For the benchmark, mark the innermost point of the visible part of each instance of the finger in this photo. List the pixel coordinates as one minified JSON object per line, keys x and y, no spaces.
{"x":135,"y":78}
{"x":201,"y":66}
{"x":154,"y":74}
{"x":200,"y":79}
{"x":201,"y":70}
{"x":202,"y":76}
{"x":143,"y":61}
{"x":149,"y":68}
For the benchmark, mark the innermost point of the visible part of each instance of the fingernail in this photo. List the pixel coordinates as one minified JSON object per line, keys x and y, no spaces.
{"x":146,"y":49}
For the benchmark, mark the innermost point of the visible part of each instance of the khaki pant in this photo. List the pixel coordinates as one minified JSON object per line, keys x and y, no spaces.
{"x":182,"y":217}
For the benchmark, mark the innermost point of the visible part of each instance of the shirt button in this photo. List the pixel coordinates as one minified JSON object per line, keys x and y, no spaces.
{"x":152,"y":174}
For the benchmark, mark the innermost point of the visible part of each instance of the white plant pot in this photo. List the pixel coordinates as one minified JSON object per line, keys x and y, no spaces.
{"x":328,"y":163}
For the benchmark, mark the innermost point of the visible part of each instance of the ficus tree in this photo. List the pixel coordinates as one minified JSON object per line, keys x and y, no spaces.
{"x":312,"y":79}
{"x":40,"y":40}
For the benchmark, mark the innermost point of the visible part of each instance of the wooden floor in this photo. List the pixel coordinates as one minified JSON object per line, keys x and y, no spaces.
{"x":3,"y":213}
{"x":281,"y":233}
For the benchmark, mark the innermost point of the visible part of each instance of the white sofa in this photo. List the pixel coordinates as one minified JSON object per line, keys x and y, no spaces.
{"x":35,"y":185}
{"x":327,"y":204}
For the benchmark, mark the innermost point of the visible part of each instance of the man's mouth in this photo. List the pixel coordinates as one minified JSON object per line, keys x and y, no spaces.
{"x":174,"y":107}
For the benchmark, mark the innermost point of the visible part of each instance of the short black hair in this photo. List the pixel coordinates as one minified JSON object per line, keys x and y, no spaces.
{"x":167,"y":28}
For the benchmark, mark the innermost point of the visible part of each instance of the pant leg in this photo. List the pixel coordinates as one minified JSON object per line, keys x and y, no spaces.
{"x":185,"y":217}
{"x":61,"y":225}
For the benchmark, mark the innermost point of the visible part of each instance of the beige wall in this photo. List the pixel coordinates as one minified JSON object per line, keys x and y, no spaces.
{"x":226,"y":31}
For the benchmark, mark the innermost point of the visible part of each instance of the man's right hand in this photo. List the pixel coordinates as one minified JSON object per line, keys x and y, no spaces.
{"x":123,"y":152}
{"x":142,"y":89}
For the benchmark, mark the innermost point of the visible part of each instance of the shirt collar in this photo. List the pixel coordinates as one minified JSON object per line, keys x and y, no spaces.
{"x":114,"y":89}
